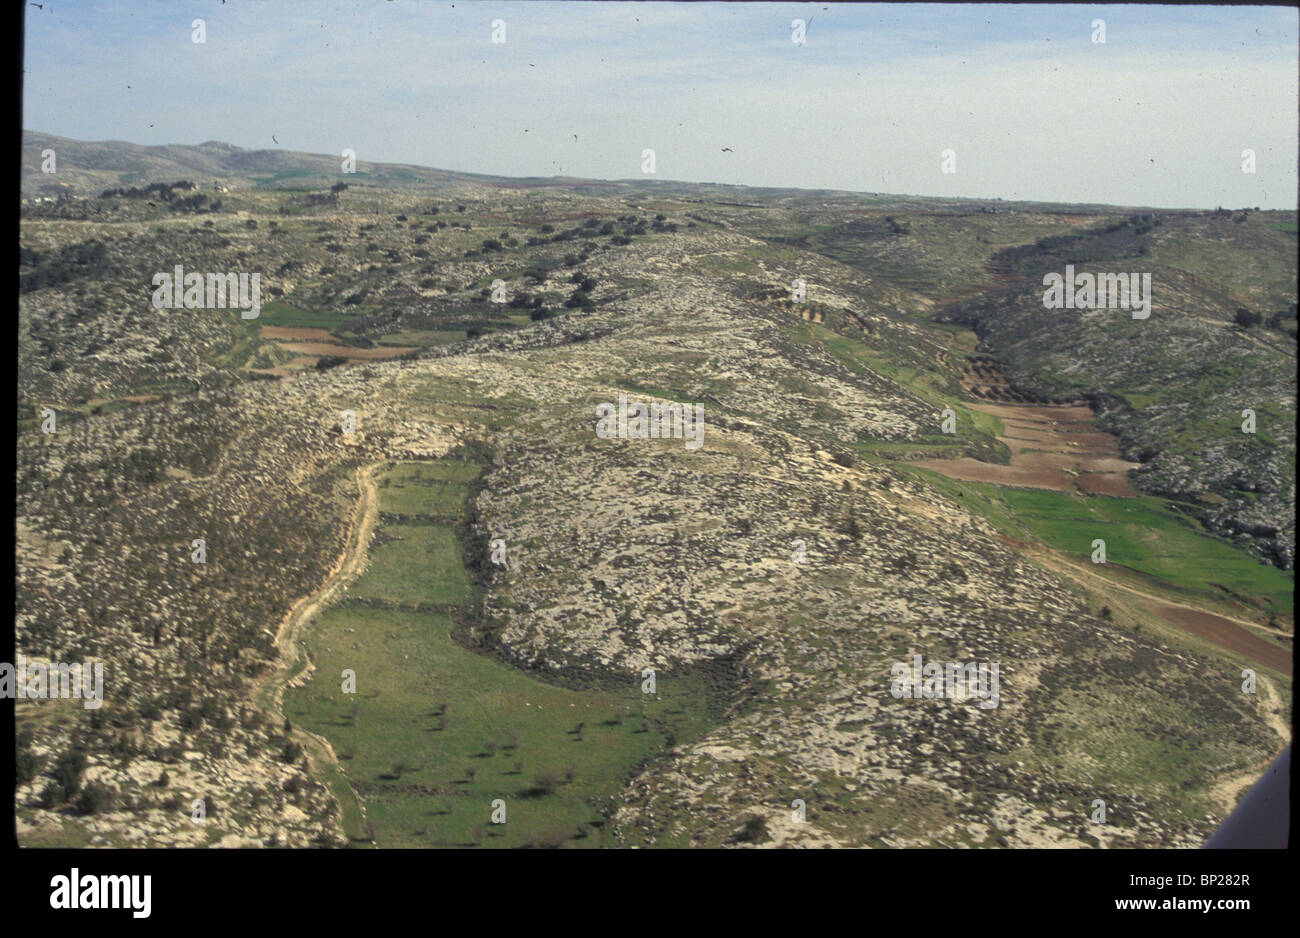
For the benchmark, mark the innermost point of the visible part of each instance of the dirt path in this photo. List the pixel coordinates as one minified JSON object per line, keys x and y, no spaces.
{"x":1224,"y":631}
{"x":1269,"y":702}
{"x":1230,"y":633}
{"x":293,"y":667}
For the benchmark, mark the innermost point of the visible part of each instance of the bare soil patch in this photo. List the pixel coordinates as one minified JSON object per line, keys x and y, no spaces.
{"x":1055,"y":447}
{"x":1103,"y":483}
{"x":346,"y":351}
{"x":310,"y":345}
{"x":1227,"y":634}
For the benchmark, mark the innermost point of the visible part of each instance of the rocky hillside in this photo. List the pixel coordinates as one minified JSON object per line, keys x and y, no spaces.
{"x":1220,"y":340}
{"x":792,"y":557}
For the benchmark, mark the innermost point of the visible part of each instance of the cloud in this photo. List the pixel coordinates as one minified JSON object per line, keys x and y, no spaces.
{"x":1158,"y":115}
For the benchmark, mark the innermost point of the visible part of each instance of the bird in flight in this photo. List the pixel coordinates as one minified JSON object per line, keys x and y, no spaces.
{"x":728,"y":150}
{"x":273,"y":138}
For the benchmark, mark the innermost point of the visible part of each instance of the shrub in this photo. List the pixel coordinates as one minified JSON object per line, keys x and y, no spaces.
{"x":68,"y":769}
{"x":851,"y":527}
{"x":545,"y":784}
{"x":754,"y":831}
{"x":94,"y":798}
{"x":53,"y":795}
{"x":25,"y":766}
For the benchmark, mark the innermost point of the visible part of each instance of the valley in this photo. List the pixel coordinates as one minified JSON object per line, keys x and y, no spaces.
{"x":348,"y":666}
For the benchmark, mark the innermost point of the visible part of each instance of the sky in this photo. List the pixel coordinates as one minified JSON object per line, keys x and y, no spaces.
{"x":1029,"y":104}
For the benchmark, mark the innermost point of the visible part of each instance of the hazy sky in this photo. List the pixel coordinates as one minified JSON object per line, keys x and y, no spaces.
{"x":1033,"y":108}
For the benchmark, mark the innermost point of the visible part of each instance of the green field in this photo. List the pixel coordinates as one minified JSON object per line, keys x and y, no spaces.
{"x":422,"y":337}
{"x":436,"y":732}
{"x":434,"y":489}
{"x":280,"y":313}
{"x":1146,"y":534}
{"x":281,"y":175}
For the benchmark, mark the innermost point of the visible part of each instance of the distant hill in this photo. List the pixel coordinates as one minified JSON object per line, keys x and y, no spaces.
{"x":88,"y":168}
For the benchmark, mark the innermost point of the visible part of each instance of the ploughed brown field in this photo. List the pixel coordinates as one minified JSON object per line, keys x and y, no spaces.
{"x":1228,"y":634}
{"x":346,"y":351}
{"x":1055,"y":447}
{"x":310,"y":345}
{"x":280,"y":333}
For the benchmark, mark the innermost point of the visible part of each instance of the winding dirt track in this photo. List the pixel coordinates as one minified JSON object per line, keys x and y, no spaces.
{"x":1060,"y":448}
{"x":1269,"y":703}
{"x":293,"y":667}
{"x":1234,"y":635}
